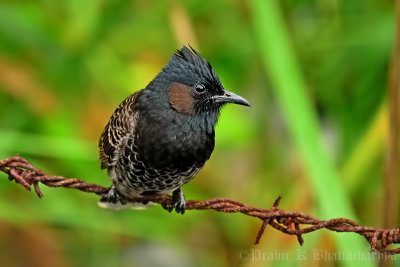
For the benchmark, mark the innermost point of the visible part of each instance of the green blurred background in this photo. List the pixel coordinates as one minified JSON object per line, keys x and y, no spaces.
{"x":315,"y":71}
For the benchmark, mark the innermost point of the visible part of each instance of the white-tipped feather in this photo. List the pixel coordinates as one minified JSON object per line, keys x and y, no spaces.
{"x":120,"y":206}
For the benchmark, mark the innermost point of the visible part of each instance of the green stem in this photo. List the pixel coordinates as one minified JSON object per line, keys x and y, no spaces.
{"x":283,"y":70}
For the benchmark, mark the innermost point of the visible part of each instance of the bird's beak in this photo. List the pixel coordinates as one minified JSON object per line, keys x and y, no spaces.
{"x":229,"y":97}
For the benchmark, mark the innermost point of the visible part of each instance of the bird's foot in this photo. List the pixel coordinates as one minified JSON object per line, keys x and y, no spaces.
{"x":178,"y":202}
{"x":114,"y":197}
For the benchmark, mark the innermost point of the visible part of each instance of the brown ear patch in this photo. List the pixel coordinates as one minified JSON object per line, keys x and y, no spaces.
{"x":180,"y":98}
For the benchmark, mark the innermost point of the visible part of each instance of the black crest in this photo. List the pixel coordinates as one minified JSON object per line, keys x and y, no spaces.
{"x":192,"y":56}
{"x":189,"y":67}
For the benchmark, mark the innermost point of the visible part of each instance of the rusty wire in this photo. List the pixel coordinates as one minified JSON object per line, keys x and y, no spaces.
{"x":23,"y":172}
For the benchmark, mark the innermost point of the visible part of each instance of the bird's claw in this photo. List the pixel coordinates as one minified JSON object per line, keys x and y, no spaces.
{"x":114,"y":197}
{"x":178,"y":202}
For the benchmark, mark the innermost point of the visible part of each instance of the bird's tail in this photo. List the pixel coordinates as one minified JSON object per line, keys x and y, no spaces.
{"x":115,"y":200}
{"x":119,"y":206}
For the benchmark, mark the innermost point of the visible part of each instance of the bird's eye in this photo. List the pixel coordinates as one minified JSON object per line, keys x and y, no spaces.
{"x":199,"y":88}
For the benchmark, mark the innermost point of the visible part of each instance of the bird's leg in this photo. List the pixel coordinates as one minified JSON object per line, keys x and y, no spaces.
{"x":178,"y":201}
{"x":114,"y":196}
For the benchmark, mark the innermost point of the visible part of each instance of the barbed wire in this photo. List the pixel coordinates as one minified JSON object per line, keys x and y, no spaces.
{"x":289,"y":222}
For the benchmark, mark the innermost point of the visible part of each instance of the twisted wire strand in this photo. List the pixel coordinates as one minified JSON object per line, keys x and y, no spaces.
{"x":294,"y":223}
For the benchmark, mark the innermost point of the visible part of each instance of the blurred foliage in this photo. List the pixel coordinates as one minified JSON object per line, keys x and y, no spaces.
{"x":66,"y":65}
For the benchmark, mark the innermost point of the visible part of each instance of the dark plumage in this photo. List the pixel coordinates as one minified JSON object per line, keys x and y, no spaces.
{"x":159,"y":138}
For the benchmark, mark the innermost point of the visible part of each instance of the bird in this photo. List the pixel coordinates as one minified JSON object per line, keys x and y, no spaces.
{"x":160,"y":137}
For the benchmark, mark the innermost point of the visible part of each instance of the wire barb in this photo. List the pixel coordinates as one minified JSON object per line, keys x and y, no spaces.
{"x":289,"y":222}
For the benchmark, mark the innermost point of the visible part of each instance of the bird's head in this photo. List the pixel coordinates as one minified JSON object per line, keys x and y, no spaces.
{"x":193,"y":87}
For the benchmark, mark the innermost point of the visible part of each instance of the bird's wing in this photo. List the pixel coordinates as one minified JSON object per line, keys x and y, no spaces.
{"x":120,"y":126}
